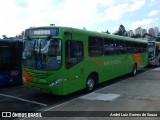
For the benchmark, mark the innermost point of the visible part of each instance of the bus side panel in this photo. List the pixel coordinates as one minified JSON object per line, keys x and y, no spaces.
{"x":10,"y":77}
{"x":115,"y":66}
{"x":144,"y":60}
{"x":75,"y":79}
{"x":109,"y":68}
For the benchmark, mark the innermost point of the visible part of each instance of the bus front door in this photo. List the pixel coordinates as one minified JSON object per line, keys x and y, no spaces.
{"x":74,"y":64}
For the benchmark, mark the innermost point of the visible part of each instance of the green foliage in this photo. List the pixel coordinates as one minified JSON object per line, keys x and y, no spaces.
{"x":121,"y":31}
{"x":136,"y":36}
{"x":107,"y":32}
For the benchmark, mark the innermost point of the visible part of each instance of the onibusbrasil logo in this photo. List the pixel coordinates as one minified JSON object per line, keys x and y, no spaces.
{"x":21,"y":114}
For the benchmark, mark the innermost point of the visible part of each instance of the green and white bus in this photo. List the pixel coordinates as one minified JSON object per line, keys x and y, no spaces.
{"x":153,"y":53}
{"x":62,"y":60}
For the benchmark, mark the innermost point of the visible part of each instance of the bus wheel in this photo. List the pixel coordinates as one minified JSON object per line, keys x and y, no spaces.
{"x":134,"y":70}
{"x":90,"y":84}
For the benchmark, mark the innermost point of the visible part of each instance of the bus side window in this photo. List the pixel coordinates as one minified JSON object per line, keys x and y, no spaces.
{"x":108,"y":46}
{"x":74,"y":53}
{"x":142,"y":48}
{"x":129,"y":47}
{"x":95,"y":46}
{"x":135,"y":47}
{"x":120,"y":47}
{"x":5,"y":59}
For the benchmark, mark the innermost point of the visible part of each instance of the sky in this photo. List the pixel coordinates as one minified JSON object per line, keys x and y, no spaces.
{"x":94,"y":15}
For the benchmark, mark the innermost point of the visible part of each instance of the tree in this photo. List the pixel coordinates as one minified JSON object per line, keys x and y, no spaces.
{"x":20,"y":36}
{"x":4,"y":36}
{"x":121,"y":31}
{"x":136,"y":36}
{"x":84,"y":28}
{"x":146,"y":34}
{"x":107,"y":32}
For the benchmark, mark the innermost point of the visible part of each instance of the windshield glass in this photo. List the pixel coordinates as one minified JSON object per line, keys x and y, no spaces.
{"x":42,"y":54}
{"x":151,"y":49}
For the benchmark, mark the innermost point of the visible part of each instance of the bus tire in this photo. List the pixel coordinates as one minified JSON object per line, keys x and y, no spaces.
{"x":134,"y":70}
{"x":90,"y":84}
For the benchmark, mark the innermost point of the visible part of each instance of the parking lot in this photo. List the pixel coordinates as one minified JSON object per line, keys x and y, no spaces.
{"x":126,"y":93}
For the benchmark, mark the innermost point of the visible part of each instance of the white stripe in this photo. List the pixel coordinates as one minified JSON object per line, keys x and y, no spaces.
{"x":60,"y":104}
{"x":24,"y":100}
{"x":52,"y":107}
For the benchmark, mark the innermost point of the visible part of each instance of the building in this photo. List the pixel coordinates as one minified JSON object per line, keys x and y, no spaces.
{"x":143,"y":31}
{"x":130,"y":33}
{"x":156,"y":31}
{"x":151,"y":32}
{"x":138,"y":31}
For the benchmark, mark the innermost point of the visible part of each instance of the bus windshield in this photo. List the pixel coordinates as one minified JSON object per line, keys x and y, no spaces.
{"x":43,"y":54}
{"x":10,"y":55}
{"x":151,"y":49}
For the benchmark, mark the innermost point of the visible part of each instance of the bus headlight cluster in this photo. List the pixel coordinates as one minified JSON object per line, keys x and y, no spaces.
{"x":24,"y":79}
{"x":54,"y":83}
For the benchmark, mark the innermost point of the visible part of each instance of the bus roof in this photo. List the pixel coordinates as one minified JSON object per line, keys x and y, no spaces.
{"x":92,"y":33}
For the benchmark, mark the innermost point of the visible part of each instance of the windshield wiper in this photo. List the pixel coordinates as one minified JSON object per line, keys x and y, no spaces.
{"x":32,"y":45}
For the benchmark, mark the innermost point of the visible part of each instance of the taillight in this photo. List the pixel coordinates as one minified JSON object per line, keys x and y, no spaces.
{"x":14,"y":72}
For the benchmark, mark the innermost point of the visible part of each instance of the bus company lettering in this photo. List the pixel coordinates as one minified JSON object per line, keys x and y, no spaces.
{"x":111,"y":62}
{"x":41,"y":32}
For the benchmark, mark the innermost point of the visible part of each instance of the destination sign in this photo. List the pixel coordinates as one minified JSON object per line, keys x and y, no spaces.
{"x":42,"y":32}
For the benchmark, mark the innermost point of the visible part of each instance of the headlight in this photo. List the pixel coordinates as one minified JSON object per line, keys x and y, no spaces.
{"x":24,"y":79}
{"x":54,"y":83}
